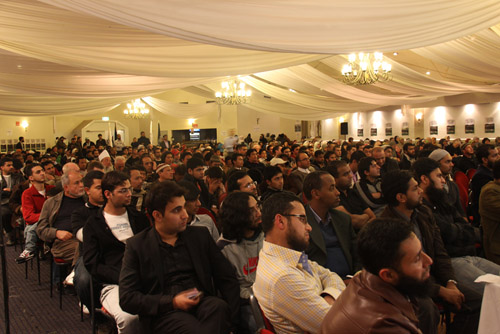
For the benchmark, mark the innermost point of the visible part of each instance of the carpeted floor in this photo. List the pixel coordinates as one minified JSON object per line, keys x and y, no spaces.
{"x":31,"y":308}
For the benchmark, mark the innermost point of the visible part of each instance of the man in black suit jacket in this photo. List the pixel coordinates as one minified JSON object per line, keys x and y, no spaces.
{"x":172,"y":272}
{"x":332,"y":239}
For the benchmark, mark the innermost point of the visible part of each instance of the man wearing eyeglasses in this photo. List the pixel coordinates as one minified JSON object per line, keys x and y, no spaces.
{"x":241,"y":181}
{"x":295,"y":181}
{"x":294,"y":293}
{"x":104,"y":238}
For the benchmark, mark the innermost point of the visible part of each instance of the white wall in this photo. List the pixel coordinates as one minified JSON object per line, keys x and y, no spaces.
{"x":477,"y":112}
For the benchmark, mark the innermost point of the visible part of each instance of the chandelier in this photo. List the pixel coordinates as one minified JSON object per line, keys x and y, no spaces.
{"x":365,"y":69}
{"x":136,"y":110}
{"x":233,"y":92}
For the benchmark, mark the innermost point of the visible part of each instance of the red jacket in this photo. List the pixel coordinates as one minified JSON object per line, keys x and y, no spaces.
{"x":32,"y":203}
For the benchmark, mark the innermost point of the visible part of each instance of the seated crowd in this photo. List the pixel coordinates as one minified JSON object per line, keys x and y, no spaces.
{"x":329,"y":236}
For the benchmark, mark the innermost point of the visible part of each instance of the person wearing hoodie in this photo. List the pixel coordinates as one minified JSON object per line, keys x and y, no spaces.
{"x":241,"y":241}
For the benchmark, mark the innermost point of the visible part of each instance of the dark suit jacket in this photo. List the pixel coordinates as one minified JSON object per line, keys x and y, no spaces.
{"x":102,"y":252}
{"x":142,"y":280}
{"x":345,"y":233}
{"x":161,"y":143}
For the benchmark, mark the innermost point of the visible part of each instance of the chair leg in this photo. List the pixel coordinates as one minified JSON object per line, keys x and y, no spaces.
{"x":92,"y":308}
{"x":38,"y":266}
{"x":50,"y":275}
{"x":81,"y":311}
{"x":60,"y":286}
{"x":26,"y":270}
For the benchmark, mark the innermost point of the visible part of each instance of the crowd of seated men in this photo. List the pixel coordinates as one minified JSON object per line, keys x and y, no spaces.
{"x":176,"y":239}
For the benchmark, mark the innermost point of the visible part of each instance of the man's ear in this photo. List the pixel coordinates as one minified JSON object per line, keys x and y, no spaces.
{"x":315,"y":194}
{"x":424,"y":179}
{"x":279,"y":222}
{"x":157,"y":215}
{"x":389,"y":275}
{"x":401,"y":198}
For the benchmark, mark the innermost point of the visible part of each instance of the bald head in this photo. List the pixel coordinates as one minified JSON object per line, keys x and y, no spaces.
{"x":70,"y":166}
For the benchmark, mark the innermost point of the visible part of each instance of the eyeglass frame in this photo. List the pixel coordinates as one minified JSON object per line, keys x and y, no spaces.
{"x":302,"y":218}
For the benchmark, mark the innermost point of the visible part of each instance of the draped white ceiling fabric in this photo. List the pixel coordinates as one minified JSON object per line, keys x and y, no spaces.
{"x":89,"y":56}
{"x":318,"y":26}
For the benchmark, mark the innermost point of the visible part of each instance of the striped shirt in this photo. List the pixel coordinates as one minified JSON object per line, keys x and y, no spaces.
{"x":288,"y":294}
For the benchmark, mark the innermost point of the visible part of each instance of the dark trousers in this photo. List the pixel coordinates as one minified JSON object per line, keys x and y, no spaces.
{"x":82,"y":281}
{"x":210,"y":316}
{"x":428,"y":315}
{"x":6,"y":218}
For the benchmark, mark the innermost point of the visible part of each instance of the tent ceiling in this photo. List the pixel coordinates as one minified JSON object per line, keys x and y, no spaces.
{"x":82,"y":56}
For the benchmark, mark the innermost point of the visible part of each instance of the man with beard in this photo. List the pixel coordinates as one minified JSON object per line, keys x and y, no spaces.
{"x":294,"y":293}
{"x":369,"y":185}
{"x":241,"y":243}
{"x":486,"y":156}
{"x":468,"y":160}
{"x":332,"y":240}
{"x":381,"y":299}
{"x":451,"y":188}
{"x":459,"y":237}
{"x":350,"y":201}
{"x":408,"y":157}
{"x":404,"y":198}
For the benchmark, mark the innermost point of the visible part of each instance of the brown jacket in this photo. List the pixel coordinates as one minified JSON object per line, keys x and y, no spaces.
{"x":370,"y":305}
{"x":432,"y":244}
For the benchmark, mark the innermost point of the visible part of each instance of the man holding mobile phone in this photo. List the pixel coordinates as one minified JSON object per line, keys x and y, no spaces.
{"x":171,"y":272}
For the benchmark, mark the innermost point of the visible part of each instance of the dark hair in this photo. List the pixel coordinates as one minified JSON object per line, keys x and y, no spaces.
{"x":184,"y":154}
{"x":138,"y":167}
{"x":5,"y":160}
{"x":240,"y":146}
{"x":333,"y":167}
{"x":250,"y":151}
{"x":88,"y":180}
{"x":191,"y":190}
{"x":164,"y":155}
{"x":358,"y":155}
{"x":214,"y":173}
{"x":235,"y":156}
{"x":423,"y":166}
{"x":232,"y":181}
{"x":28,"y":170}
{"x":160,"y":194}
{"x":364,"y":166}
{"x":271,"y":171}
{"x":47,"y":162}
{"x":278,"y":203}
{"x":328,"y":153}
{"x":180,"y":170}
{"x":379,"y":243}
{"x":317,"y":153}
{"x":275,"y":148}
{"x":113,"y":179}
{"x":496,"y":169}
{"x":235,"y":215}
{"x":313,"y":181}
{"x":406,"y":146}
{"x":393,"y":183}
{"x":94,"y":164}
{"x":193,"y":163}
{"x":483,"y":151}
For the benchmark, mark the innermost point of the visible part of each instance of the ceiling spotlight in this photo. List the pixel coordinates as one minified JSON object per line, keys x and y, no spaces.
{"x":428,"y":73}
{"x":395,"y":54}
{"x":292,"y":90}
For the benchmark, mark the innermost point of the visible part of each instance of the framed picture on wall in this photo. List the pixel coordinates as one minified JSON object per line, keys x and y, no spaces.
{"x":405,"y":129}
{"x":450,"y":127}
{"x":433,"y":128}
{"x":373,"y":132}
{"x":388,"y":129}
{"x":360,"y":132}
{"x":469,"y":125}
{"x":489,"y":126}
